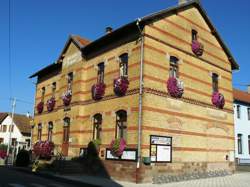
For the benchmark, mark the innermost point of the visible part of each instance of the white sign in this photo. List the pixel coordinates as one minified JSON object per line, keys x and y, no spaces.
{"x":127,"y":155}
{"x":70,"y":60}
{"x":163,"y":153}
{"x":160,"y":140}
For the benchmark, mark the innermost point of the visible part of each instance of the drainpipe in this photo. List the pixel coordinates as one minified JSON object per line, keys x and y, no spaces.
{"x":140,"y":100}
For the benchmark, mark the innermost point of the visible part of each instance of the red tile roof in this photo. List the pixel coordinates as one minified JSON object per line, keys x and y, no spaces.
{"x":241,"y":96}
{"x":82,"y":41}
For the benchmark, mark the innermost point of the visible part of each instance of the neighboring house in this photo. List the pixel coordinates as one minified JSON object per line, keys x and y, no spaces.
{"x":242,"y":125}
{"x":181,"y":131}
{"x":20,"y":131}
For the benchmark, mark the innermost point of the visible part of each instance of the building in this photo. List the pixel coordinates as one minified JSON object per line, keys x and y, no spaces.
{"x":177,"y":127}
{"x":20,"y":131}
{"x":242,"y":125}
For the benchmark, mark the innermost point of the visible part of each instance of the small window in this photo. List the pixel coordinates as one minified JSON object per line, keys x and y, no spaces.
{"x":238,"y":111}
{"x":70,"y":80}
{"x":123,"y":65}
{"x":249,"y":144}
{"x":239,"y":136}
{"x":174,"y":68}
{"x":121,"y":124}
{"x":28,"y":142}
{"x":53,"y":88}
{"x":215,"y":82}
{"x":13,"y":142}
{"x":66,"y":126}
{"x":100,"y":73}
{"x":11,"y":128}
{"x":4,"y":128}
{"x":50,"y":131}
{"x":194,"y":34}
{"x":43,"y":93}
{"x":248,"y":113}
{"x":97,"y":126}
{"x":39,"y":133}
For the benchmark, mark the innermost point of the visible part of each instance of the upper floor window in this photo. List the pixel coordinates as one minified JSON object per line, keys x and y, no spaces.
{"x":97,"y":126}
{"x":239,"y":137}
{"x":70,"y":80}
{"x":215,"y":82}
{"x":123,"y":63}
{"x":248,"y":144}
{"x":100,"y":73}
{"x":53,"y":88}
{"x":11,"y":128}
{"x":39,"y":132}
{"x":248,"y":113}
{"x":4,"y":128}
{"x":121,"y":124}
{"x":43,"y":93}
{"x":194,"y":34}
{"x":50,"y":130}
{"x":238,"y":111}
{"x":174,"y":68}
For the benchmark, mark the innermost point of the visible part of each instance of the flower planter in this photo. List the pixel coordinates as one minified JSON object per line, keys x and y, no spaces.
{"x":66,"y":97}
{"x":51,"y":104}
{"x":39,"y":107}
{"x":197,"y":48}
{"x":175,"y":87}
{"x":218,"y":100}
{"x":43,"y":149}
{"x":98,"y":91}
{"x":117,"y":147}
{"x":147,"y":160}
{"x":120,"y":86}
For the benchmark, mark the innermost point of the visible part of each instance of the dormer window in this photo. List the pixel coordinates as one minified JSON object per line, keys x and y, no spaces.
{"x":123,"y":63}
{"x":100,"y":73}
{"x":194,"y":34}
{"x":174,"y":68}
{"x":215,"y":82}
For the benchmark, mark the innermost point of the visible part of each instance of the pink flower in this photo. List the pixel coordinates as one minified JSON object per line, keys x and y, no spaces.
{"x":66,"y":97}
{"x":43,"y":149}
{"x":175,"y":87}
{"x":3,"y":154}
{"x":98,"y":91}
{"x":51,"y":104}
{"x":218,"y":100}
{"x":117,"y":146}
{"x":197,"y":48}
{"x":39,"y":107}
{"x":121,"y":86}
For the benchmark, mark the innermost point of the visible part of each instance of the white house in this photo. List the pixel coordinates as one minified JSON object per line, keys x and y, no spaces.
{"x":20,"y":131}
{"x":242,"y":125}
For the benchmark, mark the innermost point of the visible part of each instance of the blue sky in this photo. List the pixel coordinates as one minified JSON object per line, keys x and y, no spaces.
{"x":39,"y":30}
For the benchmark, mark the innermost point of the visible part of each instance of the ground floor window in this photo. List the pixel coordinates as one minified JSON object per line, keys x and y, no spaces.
{"x":239,"y":136}
{"x":66,"y":130}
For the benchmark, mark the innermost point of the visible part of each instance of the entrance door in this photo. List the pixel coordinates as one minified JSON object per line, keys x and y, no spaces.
{"x":65,"y":144}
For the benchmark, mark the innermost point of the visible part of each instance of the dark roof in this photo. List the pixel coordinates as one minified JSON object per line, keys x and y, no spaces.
{"x":241,"y":96}
{"x":47,"y":69}
{"x":3,"y":115}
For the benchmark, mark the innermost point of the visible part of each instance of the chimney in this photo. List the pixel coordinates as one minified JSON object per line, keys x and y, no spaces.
{"x":109,"y":30}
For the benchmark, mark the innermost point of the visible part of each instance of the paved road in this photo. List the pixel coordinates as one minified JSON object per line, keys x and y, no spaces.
{"x":13,"y":178}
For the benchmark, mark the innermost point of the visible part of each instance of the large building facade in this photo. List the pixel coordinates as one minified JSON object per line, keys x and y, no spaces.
{"x":242,"y":125}
{"x":175,"y":124}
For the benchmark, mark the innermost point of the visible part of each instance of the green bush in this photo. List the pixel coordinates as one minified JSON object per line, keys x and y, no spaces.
{"x":23,"y":158}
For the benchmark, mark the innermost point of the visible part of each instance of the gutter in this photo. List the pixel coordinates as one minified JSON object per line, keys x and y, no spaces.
{"x":140,"y":101}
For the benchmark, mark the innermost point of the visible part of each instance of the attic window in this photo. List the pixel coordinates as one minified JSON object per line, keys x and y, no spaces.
{"x":194,"y":35}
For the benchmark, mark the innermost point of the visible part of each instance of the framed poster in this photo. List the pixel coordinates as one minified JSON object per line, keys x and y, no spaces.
{"x":160,"y":148}
{"x":128,"y":155}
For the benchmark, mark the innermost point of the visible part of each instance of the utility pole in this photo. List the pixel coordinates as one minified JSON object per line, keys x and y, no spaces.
{"x":10,"y":132}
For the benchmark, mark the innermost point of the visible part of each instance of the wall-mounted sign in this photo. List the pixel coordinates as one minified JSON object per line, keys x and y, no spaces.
{"x":71,"y":59}
{"x":160,"y":148}
{"x":128,"y":155}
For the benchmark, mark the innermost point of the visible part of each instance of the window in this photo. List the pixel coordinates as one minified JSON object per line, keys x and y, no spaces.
{"x":1,"y":140}
{"x":53,"y":88}
{"x":248,"y":113}
{"x":4,"y":128}
{"x":43,"y":93}
{"x":50,"y":131}
{"x":100,"y":73}
{"x":174,"y":69}
{"x":97,"y":126}
{"x":194,"y":34}
{"x":11,"y":128}
{"x":215,"y":82}
{"x":238,"y":111}
{"x":39,"y":132}
{"x":121,"y":124}
{"x":13,"y":142}
{"x":70,"y":80}
{"x":66,"y":125}
{"x":123,"y":65}
{"x":239,"y":136}
{"x":28,"y":142}
{"x":249,"y":144}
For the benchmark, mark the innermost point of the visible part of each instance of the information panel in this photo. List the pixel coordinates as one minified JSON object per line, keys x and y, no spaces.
{"x":128,"y":155}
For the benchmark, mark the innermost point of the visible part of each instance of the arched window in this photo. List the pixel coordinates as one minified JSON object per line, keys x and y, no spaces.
{"x":39,"y":132}
{"x":215,"y":82}
{"x":66,"y":126}
{"x":194,"y":34}
{"x":43,"y":93}
{"x":100,"y":73}
{"x":123,"y":65}
{"x":53,"y":89}
{"x":174,"y":68}
{"x":70,"y":80}
{"x":121,"y":124}
{"x":97,"y":126}
{"x":50,"y":130}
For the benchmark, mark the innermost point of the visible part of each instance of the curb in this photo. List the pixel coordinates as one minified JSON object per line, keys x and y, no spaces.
{"x":54,"y":177}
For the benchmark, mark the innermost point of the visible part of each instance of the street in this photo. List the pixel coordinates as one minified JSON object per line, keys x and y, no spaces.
{"x":13,"y":178}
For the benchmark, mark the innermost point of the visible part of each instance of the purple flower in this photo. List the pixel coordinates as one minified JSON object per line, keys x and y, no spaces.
{"x":39,"y":107}
{"x":43,"y":149}
{"x":121,"y":86}
{"x":175,"y":87}
{"x":197,"y":48}
{"x":98,"y":91}
{"x":117,"y":147}
{"x":218,"y":100}
{"x":66,"y":97}
{"x":51,"y":104}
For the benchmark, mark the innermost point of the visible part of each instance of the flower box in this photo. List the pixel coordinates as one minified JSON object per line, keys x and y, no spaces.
{"x":51,"y":104}
{"x":197,"y":48}
{"x":117,"y":147}
{"x":39,"y":107}
{"x":175,"y":87}
{"x":98,"y":91}
{"x":43,"y":149}
{"x":120,"y":86}
{"x":218,"y":100}
{"x":66,"y":97}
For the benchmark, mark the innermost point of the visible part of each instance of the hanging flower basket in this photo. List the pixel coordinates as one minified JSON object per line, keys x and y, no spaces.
{"x":51,"y":104}
{"x":175,"y":87}
{"x":66,"y":97}
{"x":98,"y":91}
{"x":43,"y":149}
{"x":120,"y":86}
{"x":39,"y":107}
{"x":218,"y":100}
{"x":197,"y":48}
{"x":117,"y":147}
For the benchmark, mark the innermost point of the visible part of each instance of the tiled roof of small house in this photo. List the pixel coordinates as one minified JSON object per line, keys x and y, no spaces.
{"x":241,"y":96}
{"x":3,"y":115}
{"x":23,"y":123}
